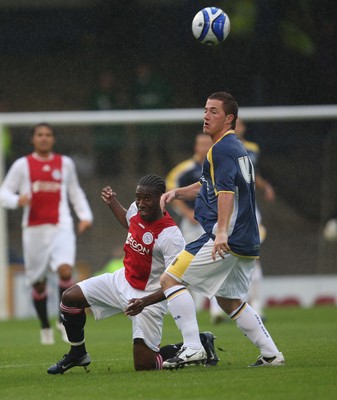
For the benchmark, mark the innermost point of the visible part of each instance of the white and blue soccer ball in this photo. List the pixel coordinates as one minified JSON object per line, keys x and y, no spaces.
{"x":211,"y":26}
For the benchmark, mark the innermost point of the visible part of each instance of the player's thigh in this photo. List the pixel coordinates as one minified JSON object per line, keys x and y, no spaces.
{"x":63,"y":248}
{"x":107,"y":294}
{"x":148,"y":325}
{"x":36,"y":250}
{"x":239,"y":280}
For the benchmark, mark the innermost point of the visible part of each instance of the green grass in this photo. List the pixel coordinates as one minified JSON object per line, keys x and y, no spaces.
{"x":307,"y":338}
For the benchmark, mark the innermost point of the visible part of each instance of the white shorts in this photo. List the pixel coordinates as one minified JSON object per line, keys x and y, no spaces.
{"x":47,"y":246}
{"x":109,"y":294}
{"x":229,"y":277}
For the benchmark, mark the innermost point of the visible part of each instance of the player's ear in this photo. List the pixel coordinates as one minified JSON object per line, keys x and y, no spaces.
{"x":230,"y":118}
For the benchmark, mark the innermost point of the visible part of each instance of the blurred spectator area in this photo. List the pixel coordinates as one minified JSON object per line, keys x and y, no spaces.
{"x":51,"y":55}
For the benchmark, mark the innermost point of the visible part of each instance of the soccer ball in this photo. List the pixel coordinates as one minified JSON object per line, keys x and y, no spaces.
{"x":211,"y":26}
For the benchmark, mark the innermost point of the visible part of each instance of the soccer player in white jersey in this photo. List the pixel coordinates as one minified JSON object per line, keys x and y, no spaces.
{"x":152,"y":242}
{"x":220,"y":262}
{"x":43,"y":183}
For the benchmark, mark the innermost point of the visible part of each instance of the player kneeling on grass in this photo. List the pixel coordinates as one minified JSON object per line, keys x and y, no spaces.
{"x":152,"y":243}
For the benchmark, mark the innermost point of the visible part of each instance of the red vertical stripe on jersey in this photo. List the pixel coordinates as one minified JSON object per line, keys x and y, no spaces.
{"x":138,"y":248}
{"x":45,"y":179}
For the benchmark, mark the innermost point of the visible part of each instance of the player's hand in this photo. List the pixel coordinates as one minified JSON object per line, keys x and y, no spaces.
{"x":167,"y":197}
{"x":83,"y":226}
{"x":136,"y":306}
{"x":24,"y":200}
{"x":107,"y":195}
{"x":220,"y":245}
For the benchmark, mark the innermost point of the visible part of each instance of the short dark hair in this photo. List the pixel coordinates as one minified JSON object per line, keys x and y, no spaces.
{"x":155,"y":181}
{"x":45,"y":124}
{"x":229,"y":105}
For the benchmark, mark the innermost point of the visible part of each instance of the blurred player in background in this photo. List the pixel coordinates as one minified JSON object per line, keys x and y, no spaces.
{"x":152,"y":243}
{"x":43,"y":183}
{"x":253,"y":151}
{"x":268,"y":193}
{"x":184,"y":174}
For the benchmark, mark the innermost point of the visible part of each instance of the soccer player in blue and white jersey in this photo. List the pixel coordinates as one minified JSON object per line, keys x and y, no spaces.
{"x":268,"y":194}
{"x":221,"y":262}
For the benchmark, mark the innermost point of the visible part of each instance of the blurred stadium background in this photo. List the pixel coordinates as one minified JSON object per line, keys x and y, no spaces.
{"x":277,"y":54}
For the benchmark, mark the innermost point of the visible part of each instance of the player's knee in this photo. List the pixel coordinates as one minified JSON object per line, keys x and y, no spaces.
{"x":144,"y":359}
{"x":40,"y":287}
{"x":229,"y":305}
{"x":73,"y":297}
{"x":65,"y":272}
{"x":66,"y":297}
{"x":166,"y":281}
{"x":144,"y":365}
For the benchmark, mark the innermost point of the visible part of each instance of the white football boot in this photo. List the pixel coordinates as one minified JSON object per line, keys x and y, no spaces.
{"x":185,"y":356}
{"x":276,"y":361}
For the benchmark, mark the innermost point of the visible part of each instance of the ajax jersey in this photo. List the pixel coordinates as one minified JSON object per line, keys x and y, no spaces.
{"x":45,"y":181}
{"x":51,"y":184}
{"x":149,"y":249}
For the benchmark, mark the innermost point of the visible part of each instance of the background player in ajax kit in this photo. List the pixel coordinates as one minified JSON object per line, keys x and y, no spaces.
{"x":43,"y":183}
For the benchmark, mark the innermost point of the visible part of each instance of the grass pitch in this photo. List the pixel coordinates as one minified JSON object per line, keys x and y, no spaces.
{"x":307,"y":338}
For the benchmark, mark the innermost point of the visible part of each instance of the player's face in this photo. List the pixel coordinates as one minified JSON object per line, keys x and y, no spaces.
{"x":216,"y":122}
{"x":43,"y":140}
{"x":148,"y":203}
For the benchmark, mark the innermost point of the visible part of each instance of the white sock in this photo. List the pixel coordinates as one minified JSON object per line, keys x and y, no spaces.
{"x":181,"y":306}
{"x":252,"y":326}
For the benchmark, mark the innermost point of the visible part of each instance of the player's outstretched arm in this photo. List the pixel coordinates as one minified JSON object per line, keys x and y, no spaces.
{"x":109,"y":198}
{"x":184,"y":193}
